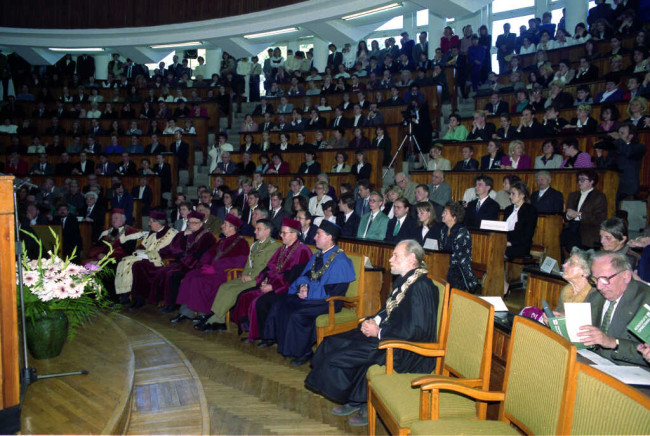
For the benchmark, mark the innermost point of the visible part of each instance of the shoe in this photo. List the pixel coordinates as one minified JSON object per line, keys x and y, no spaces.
{"x":298,"y":361}
{"x":265,"y":343}
{"x":345,"y":410}
{"x":136,"y":305}
{"x":245,"y":340}
{"x":168,"y":309}
{"x":361,"y":418}
{"x":206,"y":327}
{"x":201,"y":319}
{"x":178,"y":318}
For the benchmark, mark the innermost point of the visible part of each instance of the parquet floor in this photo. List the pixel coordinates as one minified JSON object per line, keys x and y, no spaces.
{"x":248,"y":390}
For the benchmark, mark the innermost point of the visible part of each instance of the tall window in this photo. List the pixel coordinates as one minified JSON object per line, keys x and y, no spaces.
{"x":393,"y":23}
{"x":510,"y":5}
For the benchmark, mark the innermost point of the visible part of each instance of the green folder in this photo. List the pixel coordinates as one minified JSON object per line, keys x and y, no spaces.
{"x":558,"y":325}
{"x":640,"y":324}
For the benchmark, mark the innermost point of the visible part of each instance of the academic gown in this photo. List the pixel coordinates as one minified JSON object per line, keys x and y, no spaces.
{"x":187,"y":249}
{"x":278,"y":275}
{"x":291,"y":321}
{"x":340,"y":364}
{"x":122,"y":240}
{"x":200,"y":286}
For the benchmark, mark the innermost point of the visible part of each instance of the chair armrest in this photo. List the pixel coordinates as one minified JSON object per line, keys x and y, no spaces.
{"x":428,"y":349}
{"x":343,"y":298}
{"x":469,"y":382}
{"x":476,"y":394}
{"x":330,"y":307}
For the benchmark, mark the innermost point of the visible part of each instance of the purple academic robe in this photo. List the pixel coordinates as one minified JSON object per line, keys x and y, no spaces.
{"x":282,"y":261}
{"x":144,"y":271}
{"x":200,"y":286}
{"x":188,"y":250}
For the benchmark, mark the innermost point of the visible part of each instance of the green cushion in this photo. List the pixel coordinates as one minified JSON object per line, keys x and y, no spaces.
{"x":375,"y":370}
{"x":345,"y":315}
{"x":460,"y":426}
{"x":403,"y":401}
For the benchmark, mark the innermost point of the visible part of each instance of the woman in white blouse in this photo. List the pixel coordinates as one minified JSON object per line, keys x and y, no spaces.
{"x":436,"y":161}
{"x":527,"y":47}
{"x":341,"y":166}
{"x":316,"y":202}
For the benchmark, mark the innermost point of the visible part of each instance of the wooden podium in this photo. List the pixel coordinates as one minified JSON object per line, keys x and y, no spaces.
{"x":9,"y":349}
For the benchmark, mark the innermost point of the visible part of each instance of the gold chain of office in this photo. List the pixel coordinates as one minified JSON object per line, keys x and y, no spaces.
{"x":315,"y":275}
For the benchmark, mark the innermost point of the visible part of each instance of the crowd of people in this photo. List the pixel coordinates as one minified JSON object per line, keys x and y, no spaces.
{"x":186,"y":260}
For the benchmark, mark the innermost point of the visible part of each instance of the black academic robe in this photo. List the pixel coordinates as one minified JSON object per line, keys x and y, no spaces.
{"x":341,"y":361}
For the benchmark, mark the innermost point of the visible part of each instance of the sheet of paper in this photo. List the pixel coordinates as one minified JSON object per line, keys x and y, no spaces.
{"x":631,"y":375}
{"x":577,"y":315}
{"x":431,"y":244}
{"x":497,"y":302}
{"x":501,"y":226}
{"x":596,"y":359}
{"x":367,"y":263}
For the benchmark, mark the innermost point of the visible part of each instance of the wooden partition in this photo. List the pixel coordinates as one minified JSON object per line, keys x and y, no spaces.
{"x":9,"y":350}
{"x":392,"y":114}
{"x":562,"y":180}
{"x":283,"y":181}
{"x":327,"y":158}
{"x":542,"y":286}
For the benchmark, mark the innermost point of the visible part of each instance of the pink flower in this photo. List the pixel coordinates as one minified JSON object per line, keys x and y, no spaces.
{"x":30,"y":278}
{"x":91,"y":268}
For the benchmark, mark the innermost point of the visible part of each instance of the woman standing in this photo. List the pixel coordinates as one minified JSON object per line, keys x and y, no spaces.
{"x":521,"y":217}
{"x":455,"y":238}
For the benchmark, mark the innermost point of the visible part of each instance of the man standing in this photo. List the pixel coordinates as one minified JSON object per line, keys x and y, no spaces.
{"x":341,"y":361}
{"x":546,"y":199}
{"x":505,"y":45}
{"x":128,"y":274}
{"x":616,"y":303}
{"x":484,"y":207}
{"x":260,"y":254}
{"x":291,"y":322}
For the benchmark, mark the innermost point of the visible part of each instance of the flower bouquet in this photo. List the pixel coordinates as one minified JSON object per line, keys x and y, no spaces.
{"x":60,"y":296}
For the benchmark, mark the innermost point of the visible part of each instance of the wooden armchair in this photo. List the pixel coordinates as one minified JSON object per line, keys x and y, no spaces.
{"x":535,"y":389}
{"x":465,"y":353}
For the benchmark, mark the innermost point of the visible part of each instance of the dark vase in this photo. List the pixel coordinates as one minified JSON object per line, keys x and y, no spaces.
{"x":46,"y":335}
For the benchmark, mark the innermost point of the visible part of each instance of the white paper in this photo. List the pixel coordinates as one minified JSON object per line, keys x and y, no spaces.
{"x":497,"y":302}
{"x":366,"y":262}
{"x":596,"y":359}
{"x":631,"y":375}
{"x":501,"y":226}
{"x":577,"y":315}
{"x":431,"y":244}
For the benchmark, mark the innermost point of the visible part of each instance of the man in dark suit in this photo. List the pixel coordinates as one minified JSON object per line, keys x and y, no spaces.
{"x":468,"y":163}
{"x":422,"y":47}
{"x":95,"y":214}
{"x":55,"y":128}
{"x":496,"y":106}
{"x":42,"y":167}
{"x":339,"y":120}
{"x":85,"y":166}
{"x":181,"y":149}
{"x":483,"y":208}
{"x":268,"y":123}
{"x":65,"y":167}
{"x":162,"y":170}
{"x":263,"y":108}
{"x":277,"y":213}
{"x":546,"y":199}
{"x":335,"y":58}
{"x":123,"y":200}
{"x":402,"y":225}
{"x":155,"y":147}
{"x":347,"y":219}
{"x":143,"y":193}
{"x":85,"y":67}
{"x":586,"y":209}
{"x":508,"y":40}
{"x":616,"y":303}
{"x":66,"y":66}
{"x":126,"y":167}
{"x":95,"y":128}
{"x":92,"y":146}
{"x":529,"y":127}
{"x":69,"y":231}
{"x":362,"y":206}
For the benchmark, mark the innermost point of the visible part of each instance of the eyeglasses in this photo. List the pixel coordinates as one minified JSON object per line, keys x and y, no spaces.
{"x":583,"y":179}
{"x":194,"y":222}
{"x":604,"y":280}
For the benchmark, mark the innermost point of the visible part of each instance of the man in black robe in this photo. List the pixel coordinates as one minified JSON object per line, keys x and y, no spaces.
{"x":340,"y":363}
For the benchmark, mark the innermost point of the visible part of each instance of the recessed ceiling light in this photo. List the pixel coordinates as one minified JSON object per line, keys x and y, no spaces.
{"x":372,"y":11}
{"x":271,"y":33}
{"x":81,"y":49}
{"x":178,"y":44}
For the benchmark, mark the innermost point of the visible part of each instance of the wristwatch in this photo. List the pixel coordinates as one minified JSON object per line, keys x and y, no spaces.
{"x":616,"y":347}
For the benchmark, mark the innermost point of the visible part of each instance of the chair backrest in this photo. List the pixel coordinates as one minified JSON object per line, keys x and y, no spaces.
{"x":443,"y":308}
{"x":469,"y":337}
{"x":359,"y":269}
{"x":536,"y":382}
{"x":44,"y":234}
{"x":600,"y":404}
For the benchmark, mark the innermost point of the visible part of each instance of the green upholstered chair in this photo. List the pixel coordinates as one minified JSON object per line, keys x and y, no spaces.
{"x":353,"y":304}
{"x":535,"y":388}
{"x":600,"y":404}
{"x":465,"y":352}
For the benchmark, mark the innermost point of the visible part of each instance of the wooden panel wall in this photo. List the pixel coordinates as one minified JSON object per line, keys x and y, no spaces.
{"x":89,"y":14}
{"x":9,"y":368}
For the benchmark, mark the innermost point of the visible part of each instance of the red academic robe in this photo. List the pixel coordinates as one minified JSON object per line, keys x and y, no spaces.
{"x":123,"y":243}
{"x":283,"y":260}
{"x":200,"y":286}
{"x":187,"y":250}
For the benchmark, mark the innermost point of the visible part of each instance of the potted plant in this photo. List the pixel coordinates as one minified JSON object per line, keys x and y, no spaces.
{"x":59,"y":297}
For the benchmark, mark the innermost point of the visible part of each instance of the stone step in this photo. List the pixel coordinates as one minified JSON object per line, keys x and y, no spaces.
{"x":198,"y":157}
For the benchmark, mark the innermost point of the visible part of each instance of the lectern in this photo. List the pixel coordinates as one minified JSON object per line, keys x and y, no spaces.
{"x":9,"y":352}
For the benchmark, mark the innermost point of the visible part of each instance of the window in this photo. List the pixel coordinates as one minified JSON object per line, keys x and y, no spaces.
{"x":509,"y":5}
{"x":392,"y":24}
{"x":497,"y":26}
{"x":167,"y":60}
{"x":305,"y":47}
{"x":381,"y":40}
{"x":422,"y":18}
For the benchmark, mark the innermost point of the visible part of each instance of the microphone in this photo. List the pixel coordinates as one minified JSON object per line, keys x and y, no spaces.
{"x":20,"y":182}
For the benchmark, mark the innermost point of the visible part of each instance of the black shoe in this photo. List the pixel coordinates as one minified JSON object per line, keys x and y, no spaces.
{"x":201,"y":319}
{"x":137,"y":304}
{"x":245,"y":340}
{"x":210,"y":327}
{"x":178,"y":318}
{"x":168,"y":309}
{"x":265,"y":343}
{"x":298,"y":361}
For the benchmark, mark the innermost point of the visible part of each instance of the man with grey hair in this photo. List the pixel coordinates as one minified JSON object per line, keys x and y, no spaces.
{"x":341,"y":361}
{"x":616,"y":303}
{"x":546,"y":199}
{"x":404,"y":182}
{"x":439,"y":190}
{"x":94,"y":214}
{"x":146,"y":255}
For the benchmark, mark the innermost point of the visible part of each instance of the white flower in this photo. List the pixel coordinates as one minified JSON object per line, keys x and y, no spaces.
{"x":30,"y":278}
{"x":73,"y":269}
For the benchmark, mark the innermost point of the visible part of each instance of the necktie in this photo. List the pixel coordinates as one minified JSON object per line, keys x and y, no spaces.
{"x":398,"y":225}
{"x":478,"y":205}
{"x":365,"y":205}
{"x":119,"y":199}
{"x":608,"y":317}
{"x":368,"y":226}
{"x":42,"y":168}
{"x":89,"y":211}
{"x":105,"y":168}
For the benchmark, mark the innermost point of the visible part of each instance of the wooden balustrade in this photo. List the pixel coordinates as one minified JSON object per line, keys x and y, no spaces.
{"x":542,"y":286}
{"x":392,"y":114}
{"x":283,"y":180}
